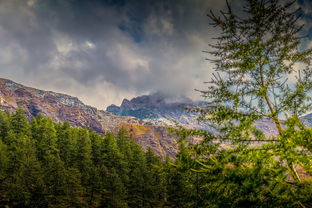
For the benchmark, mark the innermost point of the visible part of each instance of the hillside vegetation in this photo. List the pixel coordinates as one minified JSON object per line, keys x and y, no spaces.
{"x":46,"y":164}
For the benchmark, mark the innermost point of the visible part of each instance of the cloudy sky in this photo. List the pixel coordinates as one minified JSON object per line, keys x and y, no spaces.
{"x":102,"y":51}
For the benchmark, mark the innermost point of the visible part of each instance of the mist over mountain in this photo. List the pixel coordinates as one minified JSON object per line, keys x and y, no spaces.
{"x":159,"y":107}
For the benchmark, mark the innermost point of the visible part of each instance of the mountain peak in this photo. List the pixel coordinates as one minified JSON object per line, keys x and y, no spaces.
{"x":158,"y":107}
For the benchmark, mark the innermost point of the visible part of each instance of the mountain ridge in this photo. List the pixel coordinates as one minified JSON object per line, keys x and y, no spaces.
{"x":145,"y":117}
{"x":159,"y":109}
{"x":65,"y":108}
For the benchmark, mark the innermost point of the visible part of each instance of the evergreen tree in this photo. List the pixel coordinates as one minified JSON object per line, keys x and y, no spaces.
{"x":83,"y":160}
{"x":4,"y":165}
{"x":74,"y":192}
{"x":19,"y":122}
{"x":96,"y":176}
{"x":124,"y":143}
{"x":44,"y":133}
{"x":115,"y":192}
{"x":154,"y":186}
{"x":5,"y":125}
{"x":254,"y":56}
{"x":113,"y":181}
{"x":24,"y":177}
{"x":54,"y":165}
{"x":111,"y":154}
{"x":96,"y":146}
{"x":135,"y":186}
{"x":66,"y":142}
{"x":181,"y":187}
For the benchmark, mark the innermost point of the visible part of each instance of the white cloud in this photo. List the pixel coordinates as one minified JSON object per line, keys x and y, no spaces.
{"x":89,"y":45}
{"x":64,"y":45}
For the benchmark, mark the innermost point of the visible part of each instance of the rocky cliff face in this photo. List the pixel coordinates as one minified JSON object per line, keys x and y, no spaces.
{"x":61,"y":108}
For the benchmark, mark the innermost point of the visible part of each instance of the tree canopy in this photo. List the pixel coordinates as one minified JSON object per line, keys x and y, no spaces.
{"x":47,"y":164}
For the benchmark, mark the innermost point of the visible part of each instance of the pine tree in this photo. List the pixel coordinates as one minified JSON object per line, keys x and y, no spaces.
{"x":137,"y":168}
{"x":124,"y":142}
{"x":96,"y":175}
{"x":96,"y":141}
{"x":44,"y":133}
{"x":5,"y":125}
{"x":19,"y":122}
{"x":254,"y":55}
{"x":74,"y":192}
{"x":66,"y":142}
{"x":115,"y":192}
{"x":182,"y":184}
{"x":83,"y":159}
{"x":4,"y":165}
{"x":154,"y":186}
{"x":113,"y":168}
{"x":111,"y":154}
{"x":24,"y":176}
{"x":54,"y":165}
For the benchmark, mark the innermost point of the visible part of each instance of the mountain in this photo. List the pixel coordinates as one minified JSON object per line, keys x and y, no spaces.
{"x":61,"y":108}
{"x":160,"y":109}
{"x":144,"y":116}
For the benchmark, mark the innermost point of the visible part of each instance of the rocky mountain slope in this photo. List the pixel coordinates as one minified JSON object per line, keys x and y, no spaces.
{"x":144,"y":116}
{"x":61,"y":108}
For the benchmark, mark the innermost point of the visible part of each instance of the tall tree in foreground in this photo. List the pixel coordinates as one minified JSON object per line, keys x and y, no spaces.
{"x":255,"y":55}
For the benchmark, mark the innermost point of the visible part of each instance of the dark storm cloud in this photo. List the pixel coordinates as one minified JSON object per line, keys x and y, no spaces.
{"x":105,"y":50}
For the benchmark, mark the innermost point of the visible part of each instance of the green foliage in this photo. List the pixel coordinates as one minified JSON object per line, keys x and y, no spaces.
{"x":239,"y":166}
{"x":43,"y":164}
